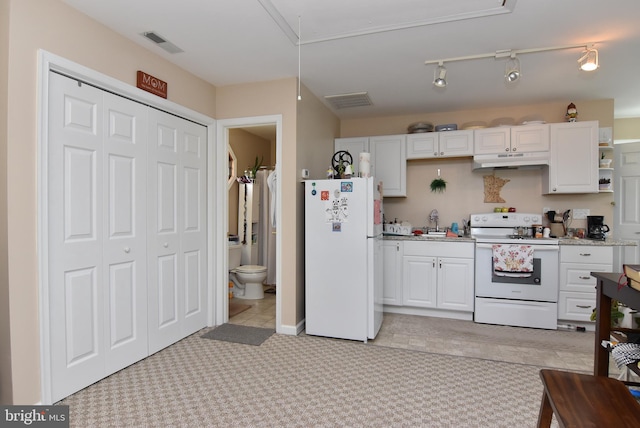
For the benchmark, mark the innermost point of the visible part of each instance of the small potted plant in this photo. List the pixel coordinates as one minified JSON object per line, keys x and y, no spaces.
{"x":604,"y":163}
{"x":616,"y":315}
{"x":438,"y":185}
{"x":605,"y":183}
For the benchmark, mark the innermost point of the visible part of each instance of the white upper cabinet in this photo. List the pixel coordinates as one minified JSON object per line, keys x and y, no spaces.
{"x":492,"y":140}
{"x":573,"y":163}
{"x":388,"y":159}
{"x":389,"y":162}
{"x":530,"y":138}
{"x":514,"y":139}
{"x":440,"y":144}
{"x":354,"y":146}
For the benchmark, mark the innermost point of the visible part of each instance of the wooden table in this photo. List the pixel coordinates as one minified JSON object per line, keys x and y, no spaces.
{"x":606,"y":289}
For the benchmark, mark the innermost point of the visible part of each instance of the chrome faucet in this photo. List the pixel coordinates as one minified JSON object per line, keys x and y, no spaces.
{"x":434,"y":217}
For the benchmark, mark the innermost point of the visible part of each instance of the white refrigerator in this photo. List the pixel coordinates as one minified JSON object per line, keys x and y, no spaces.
{"x":343,"y":258}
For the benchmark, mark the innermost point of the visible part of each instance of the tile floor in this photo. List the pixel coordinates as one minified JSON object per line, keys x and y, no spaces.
{"x":263,"y":314}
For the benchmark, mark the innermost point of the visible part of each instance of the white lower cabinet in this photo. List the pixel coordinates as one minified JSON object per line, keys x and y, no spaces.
{"x":430,"y":274}
{"x":392,"y":276}
{"x":577,"y":296}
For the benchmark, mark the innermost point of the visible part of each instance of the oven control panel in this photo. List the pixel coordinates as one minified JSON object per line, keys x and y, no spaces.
{"x":504,"y":219}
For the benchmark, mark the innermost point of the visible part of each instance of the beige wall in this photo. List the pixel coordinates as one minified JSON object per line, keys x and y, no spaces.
{"x":320,"y":128}
{"x":57,"y":28}
{"x":465,"y":188}
{"x":264,"y":99}
{"x":317,"y":128}
{"x":627,"y":129}
{"x":5,"y":338}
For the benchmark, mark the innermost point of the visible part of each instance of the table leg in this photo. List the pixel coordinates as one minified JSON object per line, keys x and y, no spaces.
{"x":546,"y":412}
{"x":603,"y":325}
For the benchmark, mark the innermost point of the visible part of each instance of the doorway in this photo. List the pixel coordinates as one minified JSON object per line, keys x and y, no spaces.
{"x":626,"y":210}
{"x":266,"y":128}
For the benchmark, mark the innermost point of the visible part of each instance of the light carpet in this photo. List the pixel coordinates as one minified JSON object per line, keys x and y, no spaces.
{"x":303,"y":381}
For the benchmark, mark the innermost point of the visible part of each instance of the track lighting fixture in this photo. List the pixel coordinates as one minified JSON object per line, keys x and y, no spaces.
{"x":512,"y":69}
{"x":589,"y":60}
{"x":439,"y":76}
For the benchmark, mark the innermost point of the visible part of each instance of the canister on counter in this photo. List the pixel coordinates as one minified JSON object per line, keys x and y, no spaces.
{"x":537,"y":230}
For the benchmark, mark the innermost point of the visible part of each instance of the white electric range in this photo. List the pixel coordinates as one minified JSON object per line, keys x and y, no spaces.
{"x":528,"y":301}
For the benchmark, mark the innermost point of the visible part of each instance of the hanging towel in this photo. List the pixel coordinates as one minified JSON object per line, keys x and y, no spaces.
{"x":271,"y":182}
{"x":513,"y":260}
{"x":626,"y":353}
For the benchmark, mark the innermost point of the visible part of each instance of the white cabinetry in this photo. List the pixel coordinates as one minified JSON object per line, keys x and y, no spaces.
{"x":388,"y":159}
{"x":354,"y":146}
{"x":389,"y":163}
{"x":515,"y":139}
{"x":392,"y":275}
{"x":440,"y":144}
{"x":577,"y":298}
{"x":438,"y":275}
{"x":573,"y":162}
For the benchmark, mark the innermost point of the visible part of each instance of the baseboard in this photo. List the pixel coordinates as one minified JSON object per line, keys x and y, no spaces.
{"x":292,"y":330}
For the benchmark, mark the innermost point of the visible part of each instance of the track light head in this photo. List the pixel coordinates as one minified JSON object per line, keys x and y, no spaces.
{"x":512,"y":69}
{"x":439,"y":76}
{"x":589,"y":60}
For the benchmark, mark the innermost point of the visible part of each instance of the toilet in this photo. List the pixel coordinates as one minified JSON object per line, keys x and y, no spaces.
{"x":247,"y":279}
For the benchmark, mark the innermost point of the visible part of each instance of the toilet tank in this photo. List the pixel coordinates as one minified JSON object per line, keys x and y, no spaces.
{"x":235,"y":255}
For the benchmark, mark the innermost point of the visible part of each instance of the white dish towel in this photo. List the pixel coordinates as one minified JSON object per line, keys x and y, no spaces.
{"x":513,"y":260}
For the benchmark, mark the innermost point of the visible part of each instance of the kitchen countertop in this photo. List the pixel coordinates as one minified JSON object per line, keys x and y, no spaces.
{"x":427,"y":238}
{"x":609,"y":242}
{"x":562,"y":241}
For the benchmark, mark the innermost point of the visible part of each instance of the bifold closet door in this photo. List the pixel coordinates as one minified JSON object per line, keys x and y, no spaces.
{"x":96,"y":215}
{"x":177,"y":239}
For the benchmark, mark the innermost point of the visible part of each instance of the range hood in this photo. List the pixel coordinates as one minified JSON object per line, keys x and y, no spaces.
{"x":511,"y":160}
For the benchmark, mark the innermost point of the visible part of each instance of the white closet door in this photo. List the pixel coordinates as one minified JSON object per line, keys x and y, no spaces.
{"x":125,"y":233}
{"x":97,"y":234}
{"x":176,"y":228}
{"x":75,"y":236}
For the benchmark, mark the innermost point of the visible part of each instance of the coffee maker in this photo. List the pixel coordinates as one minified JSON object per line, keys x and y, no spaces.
{"x":596,"y":228}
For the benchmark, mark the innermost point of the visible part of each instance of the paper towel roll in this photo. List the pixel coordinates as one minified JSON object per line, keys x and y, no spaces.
{"x":364,"y":160}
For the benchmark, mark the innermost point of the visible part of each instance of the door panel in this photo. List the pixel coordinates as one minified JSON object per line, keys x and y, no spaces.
{"x":125,"y":235}
{"x":627,"y":196}
{"x":177,"y":233}
{"x":81,"y":317}
{"x":77,"y":331}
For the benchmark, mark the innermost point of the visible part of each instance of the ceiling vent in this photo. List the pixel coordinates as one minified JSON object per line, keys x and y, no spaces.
{"x":162,"y":42}
{"x":356,"y":99}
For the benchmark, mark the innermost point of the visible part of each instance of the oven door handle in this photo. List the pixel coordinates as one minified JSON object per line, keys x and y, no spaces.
{"x":535,"y":247}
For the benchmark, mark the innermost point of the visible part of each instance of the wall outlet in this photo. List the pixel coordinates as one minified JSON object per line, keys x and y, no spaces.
{"x":304,"y":173}
{"x":581,"y":213}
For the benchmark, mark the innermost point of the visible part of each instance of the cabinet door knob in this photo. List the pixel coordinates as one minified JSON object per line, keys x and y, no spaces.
{"x":127,"y":249}
{"x":507,"y":149}
{"x":514,"y":149}
{"x":441,"y":153}
{"x":165,"y":245}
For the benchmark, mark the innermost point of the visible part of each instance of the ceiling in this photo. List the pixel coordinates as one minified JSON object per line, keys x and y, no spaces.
{"x":380,"y":47}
